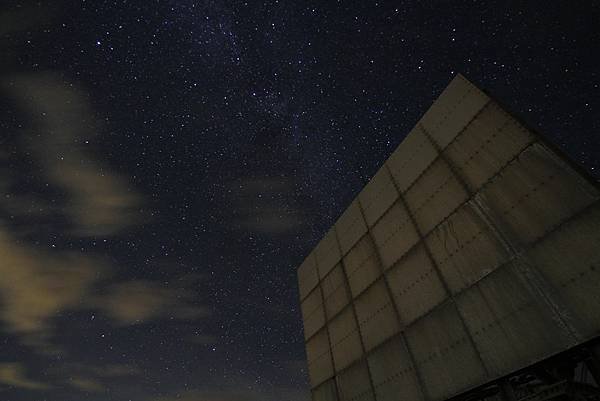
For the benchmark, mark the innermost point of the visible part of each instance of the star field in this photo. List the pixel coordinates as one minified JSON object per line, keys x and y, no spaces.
{"x":166,"y":165}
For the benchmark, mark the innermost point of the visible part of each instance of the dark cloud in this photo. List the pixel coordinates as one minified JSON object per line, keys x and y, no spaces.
{"x":28,"y":16}
{"x":203,"y":339}
{"x":241,"y":392}
{"x":266,"y":205}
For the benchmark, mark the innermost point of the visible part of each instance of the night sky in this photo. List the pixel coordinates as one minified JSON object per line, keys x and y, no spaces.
{"x":165,"y":165}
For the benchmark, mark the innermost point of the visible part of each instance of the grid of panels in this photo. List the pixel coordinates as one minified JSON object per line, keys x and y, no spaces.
{"x":448,"y":269}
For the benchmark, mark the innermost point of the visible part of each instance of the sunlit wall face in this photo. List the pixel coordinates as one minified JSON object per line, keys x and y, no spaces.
{"x":469,"y":255}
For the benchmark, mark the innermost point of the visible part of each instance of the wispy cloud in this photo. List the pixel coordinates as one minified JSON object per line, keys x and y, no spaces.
{"x":39,"y":284}
{"x":98,"y":201}
{"x":36,"y":286}
{"x":13,"y":375}
{"x":86,"y":384}
{"x":138,"y":301}
{"x":96,"y":371}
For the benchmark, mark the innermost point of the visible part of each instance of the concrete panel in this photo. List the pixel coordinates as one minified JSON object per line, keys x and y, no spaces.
{"x":325,"y":392}
{"x":569,"y":258}
{"x":511,"y":325}
{"x":313,"y":313}
{"x":411,"y":158}
{"x":458,"y":104}
{"x":394,"y":234}
{"x":446,"y":360}
{"x":521,"y":258}
{"x":490,"y":141}
{"x":415,"y":285}
{"x":328,"y":253}
{"x":354,"y":384}
{"x":308,"y":278}
{"x":362,"y":265}
{"x":537,"y":192}
{"x":335,"y":291}
{"x":318,"y":356}
{"x":393,"y":375}
{"x":376,"y":316}
{"x":465,"y":248}
{"x":496,"y":349}
{"x":434,"y":196}
{"x":378,"y":195}
{"x":350,"y":227}
{"x":345,"y":339}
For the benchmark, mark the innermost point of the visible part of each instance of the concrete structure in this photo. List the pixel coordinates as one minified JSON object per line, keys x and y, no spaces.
{"x":468,"y":268}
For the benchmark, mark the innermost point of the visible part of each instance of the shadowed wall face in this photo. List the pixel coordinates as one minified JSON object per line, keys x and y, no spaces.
{"x":469,"y":255}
